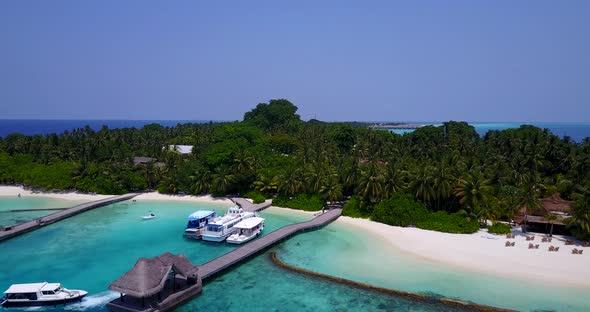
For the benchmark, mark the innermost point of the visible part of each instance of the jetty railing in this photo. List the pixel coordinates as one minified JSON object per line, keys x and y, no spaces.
{"x":16,"y":230}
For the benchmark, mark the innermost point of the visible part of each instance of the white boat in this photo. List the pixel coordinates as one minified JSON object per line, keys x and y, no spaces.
{"x":197,"y":222}
{"x":148,"y":217}
{"x":246,"y":230}
{"x":221,"y":227}
{"x":20,"y":295}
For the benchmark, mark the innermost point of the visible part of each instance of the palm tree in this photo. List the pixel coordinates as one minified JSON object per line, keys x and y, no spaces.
{"x":371,"y":185}
{"x":472,"y":191}
{"x":222,"y":181}
{"x":529,"y":201}
{"x":331,"y":189}
{"x":422,"y":184}
{"x":443,"y":181}
{"x":551,"y":218}
{"x":580,"y":215}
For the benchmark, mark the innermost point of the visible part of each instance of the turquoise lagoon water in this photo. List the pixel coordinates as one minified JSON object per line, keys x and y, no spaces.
{"x":349,"y":253}
{"x":91,"y":250}
{"x":11,"y":203}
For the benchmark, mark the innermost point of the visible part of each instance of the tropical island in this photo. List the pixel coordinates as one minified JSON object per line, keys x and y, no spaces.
{"x":443,"y":178}
{"x":402,"y":190}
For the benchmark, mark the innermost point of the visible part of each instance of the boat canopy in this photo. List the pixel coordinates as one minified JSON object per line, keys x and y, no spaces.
{"x":197,"y":215}
{"x":249,"y":223}
{"x":30,"y":288}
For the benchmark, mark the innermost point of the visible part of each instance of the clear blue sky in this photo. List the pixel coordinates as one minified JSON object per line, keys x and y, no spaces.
{"x":337,"y":60}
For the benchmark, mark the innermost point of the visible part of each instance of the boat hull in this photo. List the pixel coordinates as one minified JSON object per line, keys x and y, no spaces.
{"x":215,"y":239}
{"x":192,"y":234}
{"x":31,"y":303}
{"x":237,"y":242}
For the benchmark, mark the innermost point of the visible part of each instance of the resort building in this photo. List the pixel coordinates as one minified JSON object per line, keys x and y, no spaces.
{"x":536,"y":220}
{"x":182,"y":149}
{"x":157,"y":283}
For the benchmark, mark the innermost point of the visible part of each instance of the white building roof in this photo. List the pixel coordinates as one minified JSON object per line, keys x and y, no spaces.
{"x":30,"y":288}
{"x":183,"y":149}
{"x":249,"y":223}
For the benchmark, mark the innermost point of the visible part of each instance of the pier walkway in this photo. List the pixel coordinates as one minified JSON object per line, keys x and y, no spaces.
{"x":248,"y":206}
{"x":252,"y":248}
{"x":12,"y":231}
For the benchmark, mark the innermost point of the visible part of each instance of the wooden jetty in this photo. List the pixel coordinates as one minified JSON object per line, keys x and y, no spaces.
{"x":222,"y":263}
{"x":12,"y":231}
{"x":248,"y":206}
{"x":254,"y":247}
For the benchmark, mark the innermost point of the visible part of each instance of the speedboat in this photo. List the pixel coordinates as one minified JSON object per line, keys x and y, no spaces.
{"x":35,"y":294}
{"x":221,"y":227}
{"x":197,"y":222}
{"x":148,"y":217}
{"x":246,"y":230}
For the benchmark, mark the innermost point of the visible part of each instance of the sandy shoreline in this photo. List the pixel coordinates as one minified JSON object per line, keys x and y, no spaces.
{"x":485,"y":252}
{"x":13,"y":191}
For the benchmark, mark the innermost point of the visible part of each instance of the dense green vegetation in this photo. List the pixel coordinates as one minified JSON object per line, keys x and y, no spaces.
{"x":458,"y":222}
{"x":499,"y":228}
{"x":272,"y":151}
{"x":302,"y":201}
{"x":400,"y":210}
{"x":256,"y":197}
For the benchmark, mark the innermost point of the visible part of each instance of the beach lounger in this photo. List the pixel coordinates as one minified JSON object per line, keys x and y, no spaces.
{"x":531,"y":246}
{"x":507,"y":244}
{"x":575,"y":251}
{"x":551,"y":248}
{"x":580,"y":251}
{"x":569,"y":242}
{"x":556,"y":249}
{"x":512,"y":245}
{"x":537,"y":246}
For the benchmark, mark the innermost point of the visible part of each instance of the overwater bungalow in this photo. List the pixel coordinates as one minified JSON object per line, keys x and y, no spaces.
{"x":158,"y":283}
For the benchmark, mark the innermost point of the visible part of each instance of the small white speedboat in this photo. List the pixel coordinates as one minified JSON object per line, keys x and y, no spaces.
{"x":36,"y":294}
{"x":246,"y":230}
{"x":148,"y":217}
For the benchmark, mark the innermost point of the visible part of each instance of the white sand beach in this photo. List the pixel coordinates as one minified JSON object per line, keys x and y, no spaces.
{"x":167,"y":197}
{"x":485,"y":252}
{"x":7,"y":191}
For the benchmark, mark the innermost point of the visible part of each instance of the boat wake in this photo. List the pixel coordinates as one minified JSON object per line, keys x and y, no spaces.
{"x":91,"y":302}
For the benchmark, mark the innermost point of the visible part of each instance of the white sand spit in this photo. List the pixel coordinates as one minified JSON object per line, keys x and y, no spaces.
{"x":15,"y":190}
{"x":485,"y":252}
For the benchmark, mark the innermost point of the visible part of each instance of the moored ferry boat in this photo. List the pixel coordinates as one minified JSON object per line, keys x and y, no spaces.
{"x":246,"y":230}
{"x":37,"y":294}
{"x":221,"y":227}
{"x":197,"y":222}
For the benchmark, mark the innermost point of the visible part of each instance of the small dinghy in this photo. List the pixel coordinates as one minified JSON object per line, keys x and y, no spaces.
{"x":148,"y":217}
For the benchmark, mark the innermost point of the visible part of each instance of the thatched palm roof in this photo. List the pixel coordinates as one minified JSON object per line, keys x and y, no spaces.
{"x":148,"y":275}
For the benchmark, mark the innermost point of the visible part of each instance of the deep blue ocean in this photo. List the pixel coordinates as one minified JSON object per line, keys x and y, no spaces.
{"x":576,"y":131}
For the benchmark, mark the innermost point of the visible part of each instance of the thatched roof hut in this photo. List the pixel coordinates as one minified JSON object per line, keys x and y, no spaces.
{"x":148,"y":276}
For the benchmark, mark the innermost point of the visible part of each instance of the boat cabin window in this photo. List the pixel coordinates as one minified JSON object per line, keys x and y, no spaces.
{"x":23,"y":296}
{"x":214,"y":228}
{"x":48,"y":292}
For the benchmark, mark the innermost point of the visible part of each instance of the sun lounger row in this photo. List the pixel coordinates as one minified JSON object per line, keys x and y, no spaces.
{"x":509,"y":244}
{"x":531,"y":246}
{"x":577,"y":251}
{"x":530,"y":238}
{"x":546,"y":240}
{"x":552,"y":248}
